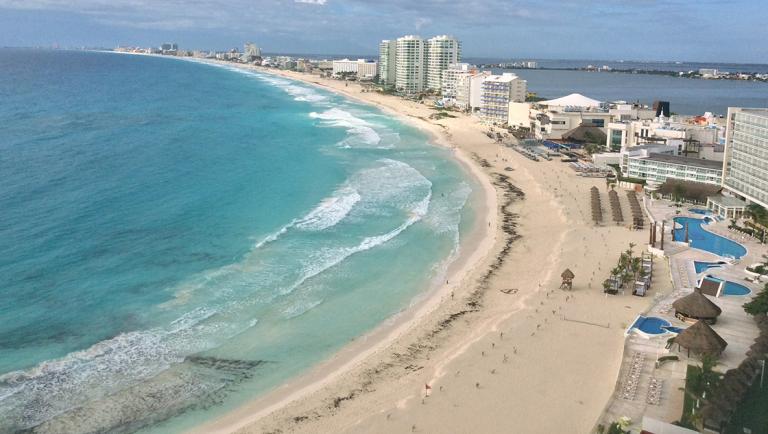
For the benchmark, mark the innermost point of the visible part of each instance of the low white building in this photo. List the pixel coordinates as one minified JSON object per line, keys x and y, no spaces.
{"x":606,"y":159}
{"x":660,"y":167}
{"x":629,"y":133}
{"x":555,"y":117}
{"x":363,"y":69}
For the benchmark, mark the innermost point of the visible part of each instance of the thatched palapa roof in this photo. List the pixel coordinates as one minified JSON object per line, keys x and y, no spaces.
{"x":567,"y":274}
{"x":701,"y":339}
{"x":697,"y":305}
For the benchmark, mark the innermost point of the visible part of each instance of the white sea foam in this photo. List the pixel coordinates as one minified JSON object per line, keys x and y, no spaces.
{"x":273,"y":236}
{"x":303,"y":94}
{"x":127,"y":366}
{"x":446,"y":210}
{"x":300,"y":308}
{"x":300,"y":93}
{"x":388,"y":183}
{"x":330,"y":211}
{"x":326,"y":259}
{"x":360,"y":131}
{"x":32,"y":396}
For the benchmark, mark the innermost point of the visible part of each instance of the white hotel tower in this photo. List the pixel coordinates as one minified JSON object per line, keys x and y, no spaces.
{"x":387,"y":62}
{"x":410,"y":56}
{"x":441,"y":51}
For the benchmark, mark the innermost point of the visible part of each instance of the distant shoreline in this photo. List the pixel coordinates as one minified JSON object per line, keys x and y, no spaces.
{"x":636,"y":71}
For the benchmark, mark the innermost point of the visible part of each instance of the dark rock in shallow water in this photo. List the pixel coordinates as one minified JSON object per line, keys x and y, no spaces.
{"x":198,"y":383}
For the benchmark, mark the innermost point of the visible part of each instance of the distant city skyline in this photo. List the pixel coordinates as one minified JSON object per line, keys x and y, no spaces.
{"x":672,"y":30}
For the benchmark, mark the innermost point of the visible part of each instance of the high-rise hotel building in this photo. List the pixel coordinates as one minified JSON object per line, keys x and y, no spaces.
{"x":387,"y":62}
{"x":441,"y":51}
{"x":745,"y":166}
{"x":410,"y":64}
{"x":414,"y":65}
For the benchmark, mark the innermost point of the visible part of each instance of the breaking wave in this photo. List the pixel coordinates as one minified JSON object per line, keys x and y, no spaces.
{"x":360,"y":131}
{"x":330,"y":211}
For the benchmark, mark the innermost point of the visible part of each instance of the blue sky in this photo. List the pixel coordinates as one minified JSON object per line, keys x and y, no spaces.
{"x":701,"y":30}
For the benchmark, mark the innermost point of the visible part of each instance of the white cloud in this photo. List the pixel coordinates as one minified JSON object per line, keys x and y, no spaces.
{"x":311,"y":2}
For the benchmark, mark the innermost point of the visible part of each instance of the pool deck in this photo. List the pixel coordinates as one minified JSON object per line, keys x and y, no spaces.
{"x":734,"y":325}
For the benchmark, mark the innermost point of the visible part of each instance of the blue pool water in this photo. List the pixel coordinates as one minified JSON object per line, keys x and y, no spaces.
{"x":700,"y":211}
{"x":705,"y":240}
{"x":703,"y":266}
{"x":651,"y":325}
{"x":731,"y":288}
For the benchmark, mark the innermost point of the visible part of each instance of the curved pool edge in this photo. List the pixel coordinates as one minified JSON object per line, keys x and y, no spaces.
{"x":701,"y":226}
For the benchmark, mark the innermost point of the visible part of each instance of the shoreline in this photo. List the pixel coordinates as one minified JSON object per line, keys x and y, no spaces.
{"x":379,"y":390}
{"x":473,"y":249}
{"x":508,"y":305}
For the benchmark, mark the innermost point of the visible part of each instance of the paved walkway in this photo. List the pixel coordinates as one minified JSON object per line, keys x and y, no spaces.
{"x":645,"y":389}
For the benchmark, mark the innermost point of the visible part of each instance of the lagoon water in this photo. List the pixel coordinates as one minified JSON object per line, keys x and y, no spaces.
{"x":686,"y":96}
{"x":176,"y":238}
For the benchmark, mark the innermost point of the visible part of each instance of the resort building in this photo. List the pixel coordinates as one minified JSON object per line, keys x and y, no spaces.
{"x":457,"y":84}
{"x":476,"y":89}
{"x":689,"y":137}
{"x":387,"y":62}
{"x":745,"y":168}
{"x":251,"y":52}
{"x":361,"y":68}
{"x":169,"y":48}
{"x":441,"y":51}
{"x":409,"y":64}
{"x":554,"y":118}
{"x":496,"y":94}
{"x":660,"y":167}
{"x":454,"y":76}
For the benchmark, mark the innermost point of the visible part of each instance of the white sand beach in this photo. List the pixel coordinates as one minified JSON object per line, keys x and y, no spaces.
{"x":537,"y":359}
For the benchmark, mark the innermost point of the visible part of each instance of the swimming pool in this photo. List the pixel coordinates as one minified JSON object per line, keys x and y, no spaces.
{"x":700,"y":211}
{"x":730,"y":288}
{"x":702,"y":239}
{"x":704,"y":266}
{"x":651,"y":325}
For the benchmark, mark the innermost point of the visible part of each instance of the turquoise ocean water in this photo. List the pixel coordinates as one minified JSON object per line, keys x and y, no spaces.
{"x":176,"y":238}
